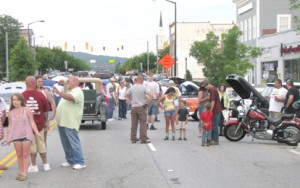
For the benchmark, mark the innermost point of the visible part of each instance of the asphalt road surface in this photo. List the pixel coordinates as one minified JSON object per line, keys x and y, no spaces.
{"x":113,"y":161}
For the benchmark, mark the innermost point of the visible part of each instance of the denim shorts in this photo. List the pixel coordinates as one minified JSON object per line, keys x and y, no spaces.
{"x":170,"y":113}
{"x":21,"y":140}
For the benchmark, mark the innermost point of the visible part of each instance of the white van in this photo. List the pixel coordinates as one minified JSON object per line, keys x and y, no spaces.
{"x":7,"y":89}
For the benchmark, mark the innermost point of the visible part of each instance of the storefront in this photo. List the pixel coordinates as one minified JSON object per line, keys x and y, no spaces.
{"x":280,"y":57}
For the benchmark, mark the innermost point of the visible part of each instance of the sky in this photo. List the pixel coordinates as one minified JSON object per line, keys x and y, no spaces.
{"x":110,"y":23}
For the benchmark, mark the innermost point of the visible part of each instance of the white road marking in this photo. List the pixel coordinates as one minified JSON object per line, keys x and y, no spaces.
{"x":151,"y":147}
{"x":296,"y":152}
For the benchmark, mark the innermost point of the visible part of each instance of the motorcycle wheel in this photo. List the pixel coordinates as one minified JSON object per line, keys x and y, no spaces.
{"x":293,"y":135}
{"x":229,"y":133}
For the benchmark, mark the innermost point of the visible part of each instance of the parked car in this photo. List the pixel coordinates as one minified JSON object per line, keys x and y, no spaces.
{"x":95,"y":105}
{"x":6,"y":91}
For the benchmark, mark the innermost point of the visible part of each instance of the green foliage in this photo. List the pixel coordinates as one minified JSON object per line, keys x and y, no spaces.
{"x":134,"y":63}
{"x":54,"y":59}
{"x":21,"y":62}
{"x":232,"y":57}
{"x":188,"y":76}
{"x":295,"y":5}
{"x":12,"y":27}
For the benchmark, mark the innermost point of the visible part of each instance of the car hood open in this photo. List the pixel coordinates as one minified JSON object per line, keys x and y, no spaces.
{"x":244,"y":89}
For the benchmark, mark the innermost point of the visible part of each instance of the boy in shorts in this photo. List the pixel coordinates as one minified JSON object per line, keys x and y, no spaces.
{"x":183,"y":119}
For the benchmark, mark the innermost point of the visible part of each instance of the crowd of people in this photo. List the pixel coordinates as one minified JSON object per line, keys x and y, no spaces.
{"x":28,"y":117}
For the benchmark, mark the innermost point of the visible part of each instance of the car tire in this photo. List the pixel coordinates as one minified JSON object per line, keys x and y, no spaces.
{"x":103,"y":125}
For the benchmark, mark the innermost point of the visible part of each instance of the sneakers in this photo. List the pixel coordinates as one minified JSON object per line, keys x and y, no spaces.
{"x":184,"y":139}
{"x":179,"y":138}
{"x":119,"y":118}
{"x":111,"y":119}
{"x":33,"y":168}
{"x":46,"y":167}
{"x":173,"y":138}
{"x":145,"y":142}
{"x":65,"y":164}
{"x":166,"y":138}
{"x":153,"y":128}
{"x":78,"y":166}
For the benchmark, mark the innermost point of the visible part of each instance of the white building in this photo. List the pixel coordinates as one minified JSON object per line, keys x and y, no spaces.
{"x":187,"y":34}
{"x":280,"y":58}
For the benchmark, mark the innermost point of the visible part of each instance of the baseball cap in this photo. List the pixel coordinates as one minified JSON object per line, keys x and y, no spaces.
{"x":291,"y":81}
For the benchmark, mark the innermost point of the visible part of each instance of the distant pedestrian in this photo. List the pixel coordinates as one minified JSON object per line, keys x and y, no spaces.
{"x":291,"y":97}
{"x":169,"y":110}
{"x":122,"y":102}
{"x":177,"y":98}
{"x":224,"y":99}
{"x":49,"y":97}
{"x":216,"y":109}
{"x":202,"y":100}
{"x":206,"y":119}
{"x":2,"y":121}
{"x":39,"y":105}
{"x":183,"y":119}
{"x":153,"y":86}
{"x":136,"y":95}
{"x":21,"y":126}
{"x":110,"y":93}
{"x":60,"y":87}
{"x":68,"y":116}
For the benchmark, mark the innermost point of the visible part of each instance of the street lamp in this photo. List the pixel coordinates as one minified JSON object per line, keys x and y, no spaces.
{"x":175,"y":37}
{"x":29,"y":41}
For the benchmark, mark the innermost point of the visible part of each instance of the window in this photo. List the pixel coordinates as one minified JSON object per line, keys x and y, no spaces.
{"x":283,"y":22}
{"x":254,"y":27}
{"x":246,"y":30}
{"x":249,"y":28}
{"x":242,"y":30}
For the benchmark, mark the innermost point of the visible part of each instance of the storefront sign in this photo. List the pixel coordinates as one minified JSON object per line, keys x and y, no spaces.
{"x":290,"y":49}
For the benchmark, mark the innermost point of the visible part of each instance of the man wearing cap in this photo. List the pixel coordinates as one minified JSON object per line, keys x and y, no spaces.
{"x":110,"y":93}
{"x":291,"y":96}
{"x":215,"y":108}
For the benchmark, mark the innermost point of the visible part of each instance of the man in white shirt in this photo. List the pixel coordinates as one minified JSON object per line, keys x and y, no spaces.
{"x":60,"y":87}
{"x":277,"y":99}
{"x":110,"y":93}
{"x":152,"y":107}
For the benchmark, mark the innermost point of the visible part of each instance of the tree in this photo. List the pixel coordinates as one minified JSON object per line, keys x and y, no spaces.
{"x":295,"y":5}
{"x":21,"y":62}
{"x":188,"y":76}
{"x":232,"y":57}
{"x":12,"y":27}
{"x":134,"y":63}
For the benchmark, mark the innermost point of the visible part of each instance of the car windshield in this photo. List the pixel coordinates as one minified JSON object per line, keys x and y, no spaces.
{"x":267,"y":91}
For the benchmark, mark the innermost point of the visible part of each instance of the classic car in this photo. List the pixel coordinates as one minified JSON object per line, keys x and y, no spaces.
{"x":95,"y":104}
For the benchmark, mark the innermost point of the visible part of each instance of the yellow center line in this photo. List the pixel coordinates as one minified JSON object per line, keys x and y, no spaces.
{"x":11,"y":158}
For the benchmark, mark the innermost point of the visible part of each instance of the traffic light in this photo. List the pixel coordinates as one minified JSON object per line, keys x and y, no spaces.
{"x":103,"y":48}
{"x":122,"y":47}
{"x":86,"y":45}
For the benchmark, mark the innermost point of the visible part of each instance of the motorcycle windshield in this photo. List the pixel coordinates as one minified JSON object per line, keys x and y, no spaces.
{"x":244,"y":89}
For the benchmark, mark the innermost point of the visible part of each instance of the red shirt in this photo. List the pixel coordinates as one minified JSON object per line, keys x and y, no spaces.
{"x":214,"y":96}
{"x":37,"y":102}
{"x":206,"y":117}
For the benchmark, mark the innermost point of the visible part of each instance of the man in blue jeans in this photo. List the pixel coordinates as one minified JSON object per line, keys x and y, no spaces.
{"x":110,"y":93}
{"x":68,"y":115}
{"x":216,"y":108}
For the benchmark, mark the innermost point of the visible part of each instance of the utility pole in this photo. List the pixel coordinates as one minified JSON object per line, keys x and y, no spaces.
{"x":148,"y":58}
{"x":6,"y":46}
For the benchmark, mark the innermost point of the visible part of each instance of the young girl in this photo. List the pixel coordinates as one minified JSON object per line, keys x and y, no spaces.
{"x":122,"y":102}
{"x":206,"y":121}
{"x":169,"y":110}
{"x":183,"y":119}
{"x":202,"y":99}
{"x":20,"y":131}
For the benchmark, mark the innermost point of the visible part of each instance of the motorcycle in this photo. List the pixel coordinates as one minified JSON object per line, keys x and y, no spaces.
{"x":256,"y":123}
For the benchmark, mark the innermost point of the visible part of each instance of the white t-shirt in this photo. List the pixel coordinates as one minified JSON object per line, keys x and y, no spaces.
{"x":274,"y":105}
{"x":110,"y":88}
{"x":154,"y":88}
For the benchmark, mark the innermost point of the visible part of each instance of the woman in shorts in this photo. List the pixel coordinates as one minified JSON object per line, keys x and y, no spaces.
{"x":169,"y":110}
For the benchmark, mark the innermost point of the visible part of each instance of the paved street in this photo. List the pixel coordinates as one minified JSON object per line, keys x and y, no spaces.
{"x":112,"y":161}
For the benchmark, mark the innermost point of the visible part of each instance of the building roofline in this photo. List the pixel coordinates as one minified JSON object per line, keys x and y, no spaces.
{"x":277,"y":33}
